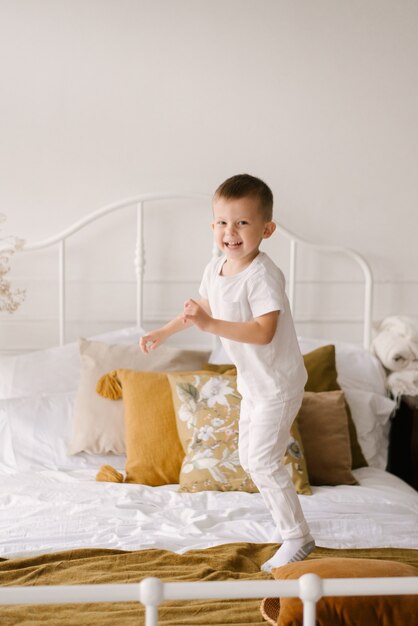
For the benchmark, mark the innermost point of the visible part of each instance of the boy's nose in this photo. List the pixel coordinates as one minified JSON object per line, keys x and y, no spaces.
{"x":230,"y":229}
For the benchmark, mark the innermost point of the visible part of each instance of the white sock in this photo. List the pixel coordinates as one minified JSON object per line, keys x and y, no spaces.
{"x":291,"y":550}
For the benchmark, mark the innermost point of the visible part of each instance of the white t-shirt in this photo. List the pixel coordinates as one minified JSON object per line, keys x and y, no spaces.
{"x":274,"y":371}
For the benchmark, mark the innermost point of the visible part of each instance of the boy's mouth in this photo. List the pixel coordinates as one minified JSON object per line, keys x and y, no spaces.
{"x":232,"y":244}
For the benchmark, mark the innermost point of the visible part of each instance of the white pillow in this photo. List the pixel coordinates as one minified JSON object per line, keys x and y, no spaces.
{"x":52,"y":370}
{"x":7,"y":457}
{"x":371,"y":413}
{"x":40,"y":429}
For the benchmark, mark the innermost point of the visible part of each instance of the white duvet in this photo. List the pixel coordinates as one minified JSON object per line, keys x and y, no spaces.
{"x":51,"y":511}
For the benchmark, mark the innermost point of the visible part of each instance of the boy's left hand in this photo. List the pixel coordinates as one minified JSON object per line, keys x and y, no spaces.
{"x":196,"y":314}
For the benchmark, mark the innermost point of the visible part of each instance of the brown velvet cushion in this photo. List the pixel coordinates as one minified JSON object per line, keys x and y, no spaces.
{"x":322,"y":376}
{"x":345,"y":610}
{"x":323,"y":425}
{"x":321,"y":369}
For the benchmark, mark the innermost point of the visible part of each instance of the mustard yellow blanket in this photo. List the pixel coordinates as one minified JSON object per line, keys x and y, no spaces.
{"x":237,"y":561}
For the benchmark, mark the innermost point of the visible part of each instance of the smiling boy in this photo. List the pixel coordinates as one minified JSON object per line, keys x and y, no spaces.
{"x":243,"y":301}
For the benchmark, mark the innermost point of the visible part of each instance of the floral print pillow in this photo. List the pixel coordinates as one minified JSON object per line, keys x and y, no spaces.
{"x":207,"y":412}
{"x":295,"y":462}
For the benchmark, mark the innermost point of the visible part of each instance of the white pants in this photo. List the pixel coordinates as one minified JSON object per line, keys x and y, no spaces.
{"x":264,"y":431}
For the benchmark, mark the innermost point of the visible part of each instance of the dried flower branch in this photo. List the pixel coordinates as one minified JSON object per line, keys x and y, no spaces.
{"x":10,"y":300}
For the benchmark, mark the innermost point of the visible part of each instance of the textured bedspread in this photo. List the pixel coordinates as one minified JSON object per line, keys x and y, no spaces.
{"x":234,"y":561}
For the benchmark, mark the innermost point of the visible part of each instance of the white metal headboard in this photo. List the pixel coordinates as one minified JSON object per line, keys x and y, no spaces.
{"x":140,"y":256}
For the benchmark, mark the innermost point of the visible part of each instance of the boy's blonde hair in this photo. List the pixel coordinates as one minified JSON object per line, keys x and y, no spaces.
{"x":244,"y":185}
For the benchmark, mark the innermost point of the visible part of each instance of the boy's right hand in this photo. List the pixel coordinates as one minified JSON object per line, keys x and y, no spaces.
{"x":152,"y":340}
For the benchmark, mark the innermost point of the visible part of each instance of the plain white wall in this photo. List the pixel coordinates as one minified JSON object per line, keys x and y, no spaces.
{"x":103,"y":99}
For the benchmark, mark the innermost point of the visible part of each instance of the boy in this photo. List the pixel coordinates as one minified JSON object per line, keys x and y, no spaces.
{"x":243,"y":301}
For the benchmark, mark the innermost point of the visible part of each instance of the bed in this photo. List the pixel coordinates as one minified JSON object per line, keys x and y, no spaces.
{"x":91,"y":497}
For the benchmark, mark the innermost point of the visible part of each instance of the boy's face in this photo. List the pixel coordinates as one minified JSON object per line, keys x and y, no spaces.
{"x":239,"y":228}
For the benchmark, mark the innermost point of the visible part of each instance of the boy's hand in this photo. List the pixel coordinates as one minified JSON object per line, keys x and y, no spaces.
{"x":152,"y":340}
{"x":196,"y":314}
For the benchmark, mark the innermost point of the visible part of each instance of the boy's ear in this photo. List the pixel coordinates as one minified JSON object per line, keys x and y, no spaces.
{"x":269,"y":229}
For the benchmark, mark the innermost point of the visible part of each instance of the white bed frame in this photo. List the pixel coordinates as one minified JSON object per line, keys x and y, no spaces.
{"x":151,"y":591}
{"x":141,"y":201}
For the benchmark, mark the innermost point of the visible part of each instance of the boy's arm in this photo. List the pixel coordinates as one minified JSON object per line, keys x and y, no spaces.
{"x":155,"y":338}
{"x":260,"y":330}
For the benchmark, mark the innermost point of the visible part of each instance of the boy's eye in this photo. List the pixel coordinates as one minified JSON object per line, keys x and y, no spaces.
{"x":242,"y":222}
{"x":221,"y":223}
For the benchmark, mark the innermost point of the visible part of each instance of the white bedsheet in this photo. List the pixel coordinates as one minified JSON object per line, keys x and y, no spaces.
{"x":51,"y":511}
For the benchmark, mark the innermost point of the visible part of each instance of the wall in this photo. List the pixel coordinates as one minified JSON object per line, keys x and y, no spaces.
{"x":104,"y":99}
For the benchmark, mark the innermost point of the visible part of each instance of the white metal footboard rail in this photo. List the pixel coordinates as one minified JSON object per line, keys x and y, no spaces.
{"x":140,"y":258}
{"x":152,"y":591}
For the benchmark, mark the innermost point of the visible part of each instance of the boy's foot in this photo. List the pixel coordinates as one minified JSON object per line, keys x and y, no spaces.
{"x":291,"y":550}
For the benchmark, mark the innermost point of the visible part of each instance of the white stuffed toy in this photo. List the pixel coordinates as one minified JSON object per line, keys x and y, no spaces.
{"x":396,"y":346}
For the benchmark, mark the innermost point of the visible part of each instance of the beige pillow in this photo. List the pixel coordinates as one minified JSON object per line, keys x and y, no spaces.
{"x":98,"y":422}
{"x":344,"y":610}
{"x":207,"y":413}
{"x":323,"y":425}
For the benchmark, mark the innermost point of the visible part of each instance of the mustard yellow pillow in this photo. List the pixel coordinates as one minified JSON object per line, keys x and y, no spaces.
{"x":344,"y":610}
{"x":322,"y":376}
{"x":154,"y":453}
{"x":207,"y":411}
